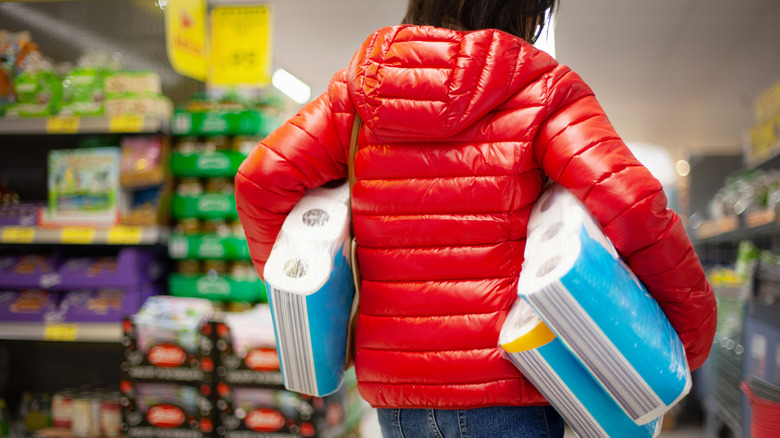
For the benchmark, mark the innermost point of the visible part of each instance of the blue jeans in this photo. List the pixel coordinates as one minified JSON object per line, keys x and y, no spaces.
{"x":493,"y":422}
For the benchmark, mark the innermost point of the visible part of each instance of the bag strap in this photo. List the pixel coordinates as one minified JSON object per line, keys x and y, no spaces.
{"x":353,"y":149}
{"x":356,"y":277}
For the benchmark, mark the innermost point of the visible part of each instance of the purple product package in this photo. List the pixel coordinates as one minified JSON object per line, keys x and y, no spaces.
{"x":24,"y":214}
{"x":132,"y":266}
{"x":103,"y":305}
{"x":32,"y":305}
{"x":29,"y":271}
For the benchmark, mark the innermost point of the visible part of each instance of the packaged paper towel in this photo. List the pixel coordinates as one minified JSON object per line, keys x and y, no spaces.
{"x":310,"y":291}
{"x":564,"y":382}
{"x":596,"y":306}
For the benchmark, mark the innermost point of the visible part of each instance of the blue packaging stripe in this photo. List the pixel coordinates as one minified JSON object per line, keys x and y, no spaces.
{"x":629,"y":317}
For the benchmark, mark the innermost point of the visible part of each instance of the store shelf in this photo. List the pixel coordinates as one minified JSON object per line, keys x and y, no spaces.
{"x":78,"y":235}
{"x":82,"y":125}
{"x":67,"y":332}
{"x":735,"y":228}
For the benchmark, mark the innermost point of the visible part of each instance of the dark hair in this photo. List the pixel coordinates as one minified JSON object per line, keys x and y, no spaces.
{"x":522,"y":18}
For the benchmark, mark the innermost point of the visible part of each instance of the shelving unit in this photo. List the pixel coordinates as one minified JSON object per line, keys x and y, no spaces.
{"x":61,"y":332}
{"x":84,"y":235}
{"x":83,"y":125}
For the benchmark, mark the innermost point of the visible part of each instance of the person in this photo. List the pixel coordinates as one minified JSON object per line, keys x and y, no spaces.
{"x":464,"y":122}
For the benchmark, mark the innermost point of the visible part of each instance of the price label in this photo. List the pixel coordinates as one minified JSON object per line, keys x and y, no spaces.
{"x":18,"y":234}
{"x":62,"y":125}
{"x":78,"y":235}
{"x":241,"y":45}
{"x":60,"y":332}
{"x":128,"y":123}
{"x":124,"y":235}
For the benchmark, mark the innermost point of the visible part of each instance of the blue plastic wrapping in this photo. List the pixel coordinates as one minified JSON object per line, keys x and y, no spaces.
{"x":575,"y":281}
{"x":310,"y":292}
{"x":563,"y":380}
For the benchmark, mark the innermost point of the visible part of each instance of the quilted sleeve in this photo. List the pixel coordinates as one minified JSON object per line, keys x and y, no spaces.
{"x":307,"y":151}
{"x":577,"y":147}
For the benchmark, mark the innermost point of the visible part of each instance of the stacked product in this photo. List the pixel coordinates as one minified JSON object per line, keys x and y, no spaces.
{"x":251,"y":401}
{"x":311,"y":291}
{"x":586,"y":332}
{"x":191,"y":371}
{"x":79,"y":412}
{"x":95,"y":87}
{"x":208,"y":242}
{"x":168,"y":369}
{"x":75,"y":288}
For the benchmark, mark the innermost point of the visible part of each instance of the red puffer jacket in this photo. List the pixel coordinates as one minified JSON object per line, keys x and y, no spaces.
{"x":461,"y":131}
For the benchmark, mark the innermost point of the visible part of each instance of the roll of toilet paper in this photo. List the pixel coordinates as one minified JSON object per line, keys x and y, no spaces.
{"x":310,"y":294}
{"x":598,"y":308}
{"x":558,"y":212}
{"x":316,"y":219}
{"x":544,"y":360}
{"x":335,"y":190}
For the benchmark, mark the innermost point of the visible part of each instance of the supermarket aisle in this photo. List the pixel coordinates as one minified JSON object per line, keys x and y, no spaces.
{"x":369,"y":428}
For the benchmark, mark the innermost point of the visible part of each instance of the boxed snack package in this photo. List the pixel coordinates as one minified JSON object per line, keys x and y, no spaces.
{"x":169,"y":339}
{"x":29,"y":271}
{"x":166,"y":410}
{"x":246,"y":348}
{"x":30,"y":305}
{"x":255,"y":412}
{"x":83,"y":186}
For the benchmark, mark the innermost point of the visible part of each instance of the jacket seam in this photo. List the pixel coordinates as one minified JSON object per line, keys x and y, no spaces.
{"x":277,"y":153}
{"x":709,"y":316}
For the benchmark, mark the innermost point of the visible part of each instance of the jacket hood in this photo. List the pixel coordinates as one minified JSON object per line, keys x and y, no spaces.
{"x":427,"y":83}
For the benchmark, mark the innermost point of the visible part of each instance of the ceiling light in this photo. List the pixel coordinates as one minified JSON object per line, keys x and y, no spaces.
{"x":291,"y":86}
{"x":683,"y":167}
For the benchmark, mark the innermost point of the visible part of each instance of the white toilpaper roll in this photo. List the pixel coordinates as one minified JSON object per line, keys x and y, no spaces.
{"x":564,"y":382}
{"x":558,"y":213}
{"x":600,"y":311}
{"x":310,"y":292}
{"x":316,"y":219}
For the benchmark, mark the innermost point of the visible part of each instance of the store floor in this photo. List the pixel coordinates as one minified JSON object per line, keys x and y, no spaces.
{"x":369,"y":428}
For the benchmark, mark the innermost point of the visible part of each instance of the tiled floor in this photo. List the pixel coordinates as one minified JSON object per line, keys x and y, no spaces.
{"x":369,"y":428}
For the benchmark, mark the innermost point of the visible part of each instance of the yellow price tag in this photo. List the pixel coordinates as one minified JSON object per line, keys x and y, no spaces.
{"x":78,"y":235}
{"x":241,"y":45}
{"x":128,"y":123}
{"x":18,"y":234}
{"x":60,"y":332}
{"x":124,"y":235}
{"x":62,"y":125}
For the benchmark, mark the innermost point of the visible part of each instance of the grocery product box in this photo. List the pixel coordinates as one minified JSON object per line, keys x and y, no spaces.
{"x":131,"y":266}
{"x":166,"y":410}
{"x":248,"y":412}
{"x":102,"y":305}
{"x":169,"y":339}
{"x":29,"y":271}
{"x":20,"y":214}
{"x":217,"y":287}
{"x":246,"y":348}
{"x":83,"y":187}
{"x":30,"y":305}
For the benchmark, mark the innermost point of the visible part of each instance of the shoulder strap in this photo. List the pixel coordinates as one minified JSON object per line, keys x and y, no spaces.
{"x":353,"y":149}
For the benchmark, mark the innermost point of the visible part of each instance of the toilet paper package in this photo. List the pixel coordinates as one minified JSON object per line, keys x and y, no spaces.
{"x":545,"y":361}
{"x":310,"y":292}
{"x":601,"y":312}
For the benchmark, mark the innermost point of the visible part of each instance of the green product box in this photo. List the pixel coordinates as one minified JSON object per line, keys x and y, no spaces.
{"x":216,"y":288}
{"x":216,"y":123}
{"x":206,"y":165}
{"x":207,"y":246}
{"x":206,"y":206}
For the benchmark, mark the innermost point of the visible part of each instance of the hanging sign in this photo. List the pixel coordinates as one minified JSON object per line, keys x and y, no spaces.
{"x":185,"y":35}
{"x":241,"y":45}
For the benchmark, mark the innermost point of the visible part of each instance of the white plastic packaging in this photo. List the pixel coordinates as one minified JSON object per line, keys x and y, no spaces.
{"x":310,"y":290}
